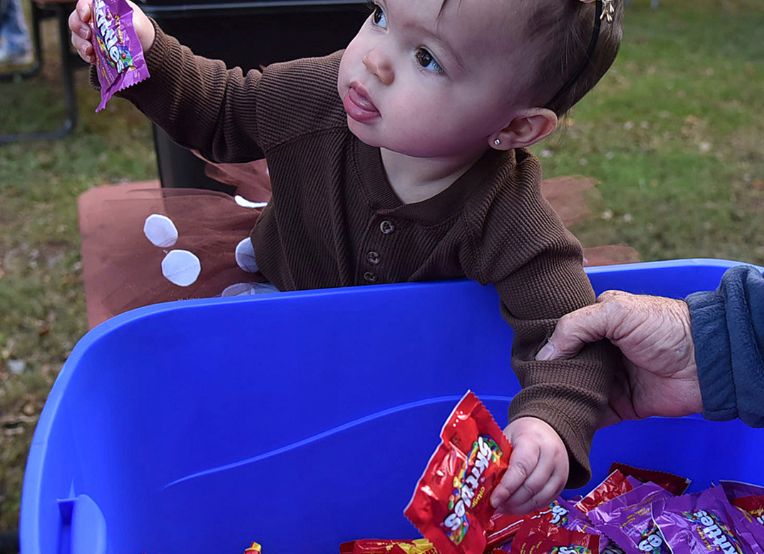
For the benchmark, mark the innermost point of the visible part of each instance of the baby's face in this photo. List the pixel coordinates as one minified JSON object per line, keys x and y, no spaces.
{"x":429,"y":85}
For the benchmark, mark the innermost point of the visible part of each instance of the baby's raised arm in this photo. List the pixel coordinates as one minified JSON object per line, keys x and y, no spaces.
{"x":200,"y":102}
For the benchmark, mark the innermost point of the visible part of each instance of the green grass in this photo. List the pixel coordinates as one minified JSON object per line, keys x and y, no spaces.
{"x":42,"y":307}
{"x":673,"y":135}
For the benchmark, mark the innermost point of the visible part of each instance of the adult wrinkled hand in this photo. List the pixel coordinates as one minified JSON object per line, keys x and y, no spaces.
{"x":653,"y":333}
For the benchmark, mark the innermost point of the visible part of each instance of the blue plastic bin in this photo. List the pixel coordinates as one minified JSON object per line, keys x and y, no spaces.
{"x":301,"y":420}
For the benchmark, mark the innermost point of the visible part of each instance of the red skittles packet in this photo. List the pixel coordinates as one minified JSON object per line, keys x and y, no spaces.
{"x":119,"y":55}
{"x":738,"y":489}
{"x":451,"y":503}
{"x":752,"y":505}
{"x":747,"y":497}
{"x":613,"y":486}
{"x":504,"y":527}
{"x":383,"y":546}
{"x":559,"y":512}
{"x":675,"y":484}
{"x":541,"y":537}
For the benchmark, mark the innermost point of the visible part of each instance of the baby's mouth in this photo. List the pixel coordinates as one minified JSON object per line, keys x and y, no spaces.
{"x":358,"y":105}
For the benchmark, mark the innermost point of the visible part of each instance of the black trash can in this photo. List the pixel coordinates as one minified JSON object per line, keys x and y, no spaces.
{"x":249,"y":34}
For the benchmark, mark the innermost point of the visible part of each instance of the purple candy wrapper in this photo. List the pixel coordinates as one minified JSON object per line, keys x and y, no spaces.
{"x":628,"y":521}
{"x":633,"y":481}
{"x":119,"y":55}
{"x":706,"y":522}
{"x":579,"y":522}
{"x":564,"y":514}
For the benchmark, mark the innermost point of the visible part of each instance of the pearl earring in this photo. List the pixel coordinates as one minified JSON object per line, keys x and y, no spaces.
{"x":497,"y":142}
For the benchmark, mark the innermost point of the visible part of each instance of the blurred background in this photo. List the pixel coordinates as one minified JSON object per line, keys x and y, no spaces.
{"x":672,"y":136}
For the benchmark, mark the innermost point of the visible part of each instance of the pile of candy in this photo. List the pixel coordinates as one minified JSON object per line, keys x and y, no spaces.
{"x":633,"y":511}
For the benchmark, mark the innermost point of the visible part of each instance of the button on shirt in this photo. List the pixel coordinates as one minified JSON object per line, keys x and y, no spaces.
{"x":373,"y":258}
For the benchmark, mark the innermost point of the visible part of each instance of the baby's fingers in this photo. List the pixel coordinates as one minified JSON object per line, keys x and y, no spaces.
{"x":522,"y":462}
{"x":84,"y":10}
{"x":537,"y":495}
{"x":81,"y":32}
{"x":77,"y":26}
{"x":84,"y":48}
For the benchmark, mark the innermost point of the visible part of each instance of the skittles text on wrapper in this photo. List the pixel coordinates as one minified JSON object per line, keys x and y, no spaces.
{"x":451,"y":505}
{"x":119,"y":55}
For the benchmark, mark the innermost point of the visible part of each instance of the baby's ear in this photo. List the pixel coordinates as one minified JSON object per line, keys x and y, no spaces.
{"x":526,"y":128}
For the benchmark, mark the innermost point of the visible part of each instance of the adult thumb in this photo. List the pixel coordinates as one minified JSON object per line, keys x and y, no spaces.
{"x":574,"y":331}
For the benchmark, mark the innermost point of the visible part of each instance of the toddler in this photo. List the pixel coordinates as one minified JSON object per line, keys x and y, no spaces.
{"x":403,"y":158}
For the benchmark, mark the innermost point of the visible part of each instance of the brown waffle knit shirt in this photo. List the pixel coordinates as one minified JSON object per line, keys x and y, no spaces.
{"x":334,"y":220}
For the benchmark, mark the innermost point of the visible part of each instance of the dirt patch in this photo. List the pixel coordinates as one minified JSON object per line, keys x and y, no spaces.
{"x":570,"y":197}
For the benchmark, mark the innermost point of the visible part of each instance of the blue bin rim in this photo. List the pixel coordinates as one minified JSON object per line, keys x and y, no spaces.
{"x":139,"y":313}
{"x":29,"y":513}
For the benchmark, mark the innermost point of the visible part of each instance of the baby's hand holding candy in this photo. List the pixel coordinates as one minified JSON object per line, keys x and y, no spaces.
{"x":82,"y":34}
{"x":112,"y":35}
{"x":538,"y":467}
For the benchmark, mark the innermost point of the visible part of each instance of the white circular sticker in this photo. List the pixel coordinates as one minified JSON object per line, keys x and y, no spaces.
{"x":181,"y":267}
{"x":245,"y":256}
{"x":160,"y":230}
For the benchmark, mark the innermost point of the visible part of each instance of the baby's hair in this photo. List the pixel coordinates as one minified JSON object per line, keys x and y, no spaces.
{"x":562,"y":30}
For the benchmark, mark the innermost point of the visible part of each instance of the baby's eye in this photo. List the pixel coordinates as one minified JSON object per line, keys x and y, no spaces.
{"x":378,"y":17}
{"x":427,"y":61}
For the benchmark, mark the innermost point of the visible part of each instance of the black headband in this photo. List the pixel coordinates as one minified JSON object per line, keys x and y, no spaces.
{"x":589,"y":52}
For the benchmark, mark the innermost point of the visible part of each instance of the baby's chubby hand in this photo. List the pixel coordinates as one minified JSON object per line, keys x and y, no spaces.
{"x":79,"y":25}
{"x":538,"y":467}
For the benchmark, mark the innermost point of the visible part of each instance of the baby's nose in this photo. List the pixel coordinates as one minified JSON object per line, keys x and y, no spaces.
{"x":379,"y":64}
